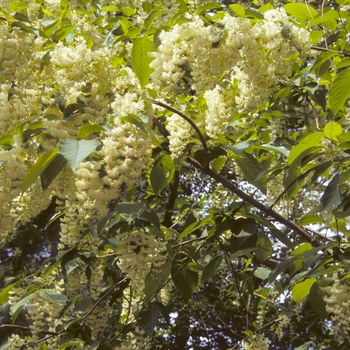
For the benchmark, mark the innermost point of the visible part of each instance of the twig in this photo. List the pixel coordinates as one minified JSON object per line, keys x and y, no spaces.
{"x":104,"y":296}
{"x":189,"y":241}
{"x":320,"y":234}
{"x":190,"y":121}
{"x":325,"y":49}
{"x":266,"y":210}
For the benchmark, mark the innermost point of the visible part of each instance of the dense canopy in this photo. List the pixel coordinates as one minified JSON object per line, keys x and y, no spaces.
{"x":174,"y":174}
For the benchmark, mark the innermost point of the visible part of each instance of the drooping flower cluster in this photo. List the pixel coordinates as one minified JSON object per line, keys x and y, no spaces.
{"x":337,"y":305}
{"x":138,"y":253}
{"x":237,"y":63}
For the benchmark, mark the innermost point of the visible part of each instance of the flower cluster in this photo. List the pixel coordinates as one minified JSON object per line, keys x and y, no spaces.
{"x":337,"y":304}
{"x":237,"y":63}
{"x":256,"y":344}
{"x":138,"y":253}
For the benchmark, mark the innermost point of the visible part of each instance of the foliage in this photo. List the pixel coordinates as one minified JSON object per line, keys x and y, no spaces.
{"x":174,"y":174}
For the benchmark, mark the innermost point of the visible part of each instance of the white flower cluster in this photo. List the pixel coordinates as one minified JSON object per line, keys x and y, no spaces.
{"x":138,"y":252}
{"x":338,"y":305}
{"x":180,"y":132}
{"x":237,"y":63}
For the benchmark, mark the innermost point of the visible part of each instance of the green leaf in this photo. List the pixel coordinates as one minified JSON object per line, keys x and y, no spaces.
{"x":300,"y":11}
{"x":128,"y":11}
{"x":211,"y":268}
{"x":4,"y":294}
{"x":339,"y":91}
{"x":140,"y":59}
{"x":6,"y":345}
{"x":51,"y":295}
{"x":41,"y":164}
{"x":52,"y":170}
{"x":185,"y":280}
{"x":62,"y":33}
{"x":75,"y":151}
{"x":251,"y":170}
{"x":207,"y":7}
{"x":193,"y":227}
{"x":316,"y":300}
{"x":162,"y":173}
{"x":262,"y":272}
{"x":264,"y":247}
{"x":332,"y":130}
{"x":156,"y":278}
{"x":238,"y":10}
{"x":302,"y":289}
{"x":90,"y":129}
{"x":149,"y":318}
{"x":331,"y":197}
{"x":254,"y":13}
{"x":308,"y":141}
{"x":17,"y":308}
{"x":17,"y":6}
{"x":281,"y":267}
{"x":130,"y":211}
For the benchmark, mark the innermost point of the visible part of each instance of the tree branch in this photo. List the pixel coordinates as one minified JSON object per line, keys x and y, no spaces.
{"x":190,"y":121}
{"x":104,"y":296}
{"x":266,"y":210}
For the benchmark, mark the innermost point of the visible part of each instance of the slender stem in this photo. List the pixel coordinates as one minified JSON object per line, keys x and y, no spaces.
{"x":318,"y":48}
{"x":104,"y":296}
{"x":190,"y":121}
{"x":268,"y":211}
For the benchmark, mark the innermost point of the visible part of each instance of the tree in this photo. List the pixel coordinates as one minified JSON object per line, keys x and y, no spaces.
{"x":174,"y":174}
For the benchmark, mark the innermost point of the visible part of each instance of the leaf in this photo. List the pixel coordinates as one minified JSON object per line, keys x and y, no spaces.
{"x":302,"y":289}
{"x":301,"y":11}
{"x":90,"y":129}
{"x":51,"y":295}
{"x":41,"y":164}
{"x":308,"y":141}
{"x":251,"y":170}
{"x":332,"y":130}
{"x":62,"y":33}
{"x":17,"y":6}
{"x":339,"y":91}
{"x":140,"y":59}
{"x":4,"y":294}
{"x":207,"y":7}
{"x":149,"y":318}
{"x":130,"y":211}
{"x":211,"y":268}
{"x":254,"y":13}
{"x":331,"y":197}
{"x":317,"y":302}
{"x":262,"y":272}
{"x":156,"y":278}
{"x":238,"y":10}
{"x":52,"y":170}
{"x":75,"y":151}
{"x":17,"y":308}
{"x":185,"y":280}
{"x":264,"y":247}
{"x":193,"y":227}
{"x":162,"y":173}
{"x":281,"y":267}
{"x":6,"y":345}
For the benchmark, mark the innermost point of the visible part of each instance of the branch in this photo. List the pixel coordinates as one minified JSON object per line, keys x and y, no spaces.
{"x":325,"y":49}
{"x":190,"y":121}
{"x":266,"y":210}
{"x":167,"y":222}
{"x":320,"y":234}
{"x":104,"y":296}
